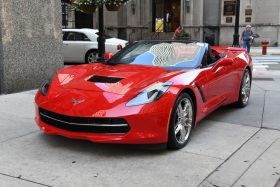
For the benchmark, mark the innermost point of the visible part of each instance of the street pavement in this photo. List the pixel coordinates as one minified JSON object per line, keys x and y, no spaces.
{"x":231,"y":147}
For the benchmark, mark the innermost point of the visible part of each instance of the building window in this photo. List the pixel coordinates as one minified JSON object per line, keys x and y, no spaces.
{"x":188,"y":6}
{"x":68,"y":15}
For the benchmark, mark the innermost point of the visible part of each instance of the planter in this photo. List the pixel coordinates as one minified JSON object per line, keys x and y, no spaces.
{"x":88,"y":9}
{"x":113,"y":7}
{"x":183,"y":36}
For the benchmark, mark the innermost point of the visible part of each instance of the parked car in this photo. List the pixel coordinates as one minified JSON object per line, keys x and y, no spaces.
{"x":81,"y":46}
{"x":151,"y":92}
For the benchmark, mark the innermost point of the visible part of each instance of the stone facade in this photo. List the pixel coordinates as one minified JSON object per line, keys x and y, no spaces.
{"x":132,"y":22}
{"x":265,"y":20}
{"x":200,"y":18}
{"x":30,"y":43}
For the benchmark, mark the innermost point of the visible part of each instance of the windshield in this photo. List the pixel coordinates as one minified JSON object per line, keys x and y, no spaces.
{"x":163,"y":54}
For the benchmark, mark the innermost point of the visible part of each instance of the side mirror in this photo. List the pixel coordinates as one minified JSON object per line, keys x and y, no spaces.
{"x":221,"y":63}
{"x":108,"y":55}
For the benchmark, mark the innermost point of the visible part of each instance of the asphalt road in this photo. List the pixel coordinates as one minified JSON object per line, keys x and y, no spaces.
{"x":231,"y":147}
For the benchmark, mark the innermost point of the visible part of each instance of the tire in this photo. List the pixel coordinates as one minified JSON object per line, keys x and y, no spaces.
{"x":91,"y":57}
{"x":182,"y":122}
{"x":245,"y":89}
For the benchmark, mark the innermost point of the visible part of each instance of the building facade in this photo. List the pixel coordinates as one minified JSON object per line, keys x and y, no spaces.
{"x":210,"y":20}
{"x":30,"y":43}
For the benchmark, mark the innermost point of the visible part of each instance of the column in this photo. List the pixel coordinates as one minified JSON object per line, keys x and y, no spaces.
{"x":30,"y":43}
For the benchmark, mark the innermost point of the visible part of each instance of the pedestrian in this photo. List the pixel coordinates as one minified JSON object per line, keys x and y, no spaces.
{"x":168,"y":21}
{"x":178,"y":31}
{"x":247,"y":38}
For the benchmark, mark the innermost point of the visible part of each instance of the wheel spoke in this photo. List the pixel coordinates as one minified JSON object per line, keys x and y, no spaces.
{"x":190,"y":119}
{"x":178,"y":128}
{"x":178,"y":113}
{"x":183,"y":133}
{"x":186,"y":106}
{"x":181,"y":111}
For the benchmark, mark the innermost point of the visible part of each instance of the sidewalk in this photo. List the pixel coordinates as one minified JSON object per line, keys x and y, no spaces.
{"x":257,"y":51}
{"x":231,"y":147}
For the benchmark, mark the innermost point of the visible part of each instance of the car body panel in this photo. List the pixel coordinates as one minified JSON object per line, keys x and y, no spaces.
{"x":210,"y":88}
{"x":73,"y":50}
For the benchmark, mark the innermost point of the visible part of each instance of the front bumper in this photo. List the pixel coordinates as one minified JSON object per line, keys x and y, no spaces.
{"x":144,"y":129}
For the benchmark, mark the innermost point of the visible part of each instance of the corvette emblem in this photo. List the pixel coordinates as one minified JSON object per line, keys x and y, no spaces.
{"x":76,"y":102}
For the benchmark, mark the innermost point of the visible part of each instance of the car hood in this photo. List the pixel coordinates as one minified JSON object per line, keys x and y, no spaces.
{"x":119,"y":79}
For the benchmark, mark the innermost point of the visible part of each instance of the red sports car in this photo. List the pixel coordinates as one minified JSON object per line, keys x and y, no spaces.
{"x":150,"y":92}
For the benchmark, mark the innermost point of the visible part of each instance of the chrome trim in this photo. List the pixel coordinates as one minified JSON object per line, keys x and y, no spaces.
{"x":93,"y":125}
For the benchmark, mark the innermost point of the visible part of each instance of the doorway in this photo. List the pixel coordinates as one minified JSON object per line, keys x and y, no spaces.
{"x":83,"y":20}
{"x":75,"y":19}
{"x":160,"y":9}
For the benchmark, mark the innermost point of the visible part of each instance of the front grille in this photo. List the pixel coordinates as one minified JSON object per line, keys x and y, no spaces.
{"x":83,"y":124}
{"x":100,"y":79}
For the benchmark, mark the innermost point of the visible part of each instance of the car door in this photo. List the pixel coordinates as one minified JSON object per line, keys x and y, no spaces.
{"x":74,"y":46}
{"x":219,"y":83}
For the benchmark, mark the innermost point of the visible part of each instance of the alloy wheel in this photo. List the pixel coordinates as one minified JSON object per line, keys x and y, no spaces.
{"x":183,"y":121}
{"x":246,"y":87}
{"x":91,"y":57}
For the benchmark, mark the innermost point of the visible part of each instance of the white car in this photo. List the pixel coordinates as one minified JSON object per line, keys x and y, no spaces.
{"x":81,"y":46}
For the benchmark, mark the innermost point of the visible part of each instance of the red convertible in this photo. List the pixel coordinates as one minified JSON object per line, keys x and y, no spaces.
{"x":150,"y":92}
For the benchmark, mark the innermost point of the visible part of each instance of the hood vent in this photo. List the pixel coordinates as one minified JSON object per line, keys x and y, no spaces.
{"x":100,"y":79}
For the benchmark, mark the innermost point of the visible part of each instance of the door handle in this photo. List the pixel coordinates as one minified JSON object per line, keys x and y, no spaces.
{"x":65,"y":44}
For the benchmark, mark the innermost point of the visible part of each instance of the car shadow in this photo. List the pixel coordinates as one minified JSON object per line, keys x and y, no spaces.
{"x":103,"y":149}
{"x":223,"y":111}
{"x":107,"y":150}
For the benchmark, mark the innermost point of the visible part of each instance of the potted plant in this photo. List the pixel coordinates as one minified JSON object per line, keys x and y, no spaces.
{"x":114,"y":5}
{"x":86,"y":6}
{"x":183,"y":36}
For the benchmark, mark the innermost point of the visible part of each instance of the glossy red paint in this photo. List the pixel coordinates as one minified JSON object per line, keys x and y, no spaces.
{"x":212,"y":87}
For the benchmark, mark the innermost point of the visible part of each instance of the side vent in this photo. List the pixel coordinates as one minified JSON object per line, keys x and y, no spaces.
{"x":100,"y":79}
{"x":201,"y":93}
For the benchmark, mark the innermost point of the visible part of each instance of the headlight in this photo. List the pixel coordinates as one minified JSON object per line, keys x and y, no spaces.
{"x":45,"y":87}
{"x":150,"y":94}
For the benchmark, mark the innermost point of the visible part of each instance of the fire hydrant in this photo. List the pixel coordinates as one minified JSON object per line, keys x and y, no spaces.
{"x":264,"y":45}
